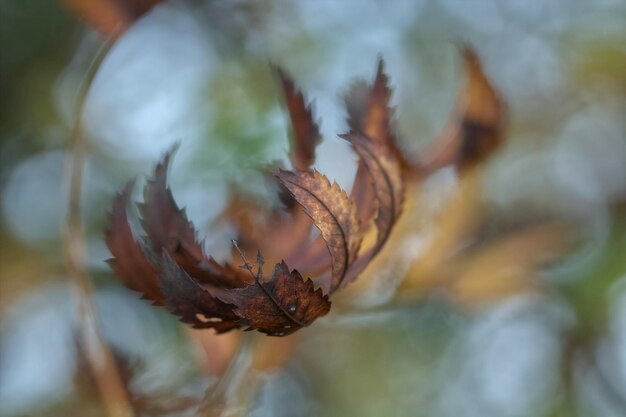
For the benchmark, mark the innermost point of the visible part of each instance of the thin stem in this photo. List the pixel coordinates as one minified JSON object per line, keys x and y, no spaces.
{"x":219,"y":397}
{"x":99,"y":357}
{"x":258,"y":279}
{"x":246,"y":265}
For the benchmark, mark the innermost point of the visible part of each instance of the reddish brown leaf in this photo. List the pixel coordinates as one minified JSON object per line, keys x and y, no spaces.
{"x":368,"y":109}
{"x":206,"y":294}
{"x":306,"y":134}
{"x":129,"y":261}
{"x":279,"y":306}
{"x":314,"y":258}
{"x":332,"y":213}
{"x":165,"y":224}
{"x":167,"y":228}
{"x":369,"y":114}
{"x":195,"y":305}
{"x":305,"y":137}
{"x":476,"y":127}
{"x":385,"y":173}
{"x":379,"y":186}
{"x":280,"y":235}
{"x":283,"y":237}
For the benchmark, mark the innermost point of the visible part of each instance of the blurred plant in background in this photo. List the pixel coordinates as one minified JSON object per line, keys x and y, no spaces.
{"x":501,"y":291}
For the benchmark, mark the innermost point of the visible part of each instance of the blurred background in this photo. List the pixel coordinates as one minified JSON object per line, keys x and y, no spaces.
{"x":504,"y":293}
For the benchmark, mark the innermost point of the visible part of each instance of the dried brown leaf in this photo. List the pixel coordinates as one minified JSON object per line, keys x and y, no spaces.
{"x":195,"y":305}
{"x":206,"y":294}
{"x":370,"y":114}
{"x":332,"y":213}
{"x":129,"y":261}
{"x":374,"y":118}
{"x":476,"y":127}
{"x":386,"y":179}
{"x":279,"y":306}
{"x":306,"y":135}
{"x":168,"y":228}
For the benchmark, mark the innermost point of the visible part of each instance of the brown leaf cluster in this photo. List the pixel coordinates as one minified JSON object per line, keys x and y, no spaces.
{"x":168,"y":266}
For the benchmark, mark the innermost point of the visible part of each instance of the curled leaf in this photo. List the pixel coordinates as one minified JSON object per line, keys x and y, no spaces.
{"x":306,"y":135}
{"x":165,"y":224}
{"x":369,"y":114}
{"x":172,"y":268}
{"x":385,"y":173}
{"x":332,"y":213}
{"x":129,"y":261}
{"x":476,"y":127}
{"x":280,"y":306}
{"x":374,"y":118}
{"x":194,"y":304}
{"x":168,"y":228}
{"x":281,"y":236}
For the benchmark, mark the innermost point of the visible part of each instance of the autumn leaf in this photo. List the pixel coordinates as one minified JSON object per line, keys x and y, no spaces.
{"x":387,"y":182}
{"x":280,"y":306}
{"x":162,"y":281}
{"x":306,"y":135}
{"x":374,"y":118}
{"x":476,"y":127}
{"x":165,"y":224}
{"x":194,"y":287}
{"x":280,"y":234}
{"x":378,"y":188}
{"x":332,"y":213}
{"x":129,"y":261}
{"x":370,"y":114}
{"x":369,"y":117}
{"x":168,"y":228}
{"x":195,"y":305}
{"x":304,"y":140}
{"x":207,"y":294}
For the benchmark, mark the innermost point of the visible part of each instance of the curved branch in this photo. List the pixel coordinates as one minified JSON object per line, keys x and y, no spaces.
{"x":99,"y":357}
